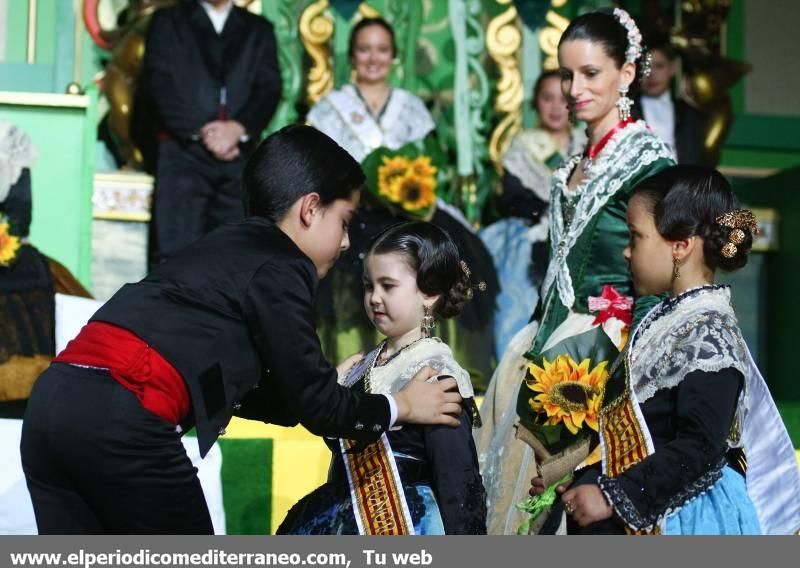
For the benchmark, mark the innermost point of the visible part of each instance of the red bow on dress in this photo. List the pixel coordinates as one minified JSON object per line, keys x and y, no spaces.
{"x":611,"y":304}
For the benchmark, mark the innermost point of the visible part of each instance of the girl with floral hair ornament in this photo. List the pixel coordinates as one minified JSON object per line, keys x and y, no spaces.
{"x":412,"y":480}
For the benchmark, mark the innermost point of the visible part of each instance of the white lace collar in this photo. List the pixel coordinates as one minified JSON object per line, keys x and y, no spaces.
{"x":394,"y":375}
{"x":343,"y":116}
{"x":627,"y":152}
{"x":696,"y":331}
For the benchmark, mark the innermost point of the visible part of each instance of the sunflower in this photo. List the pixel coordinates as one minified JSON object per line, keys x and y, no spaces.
{"x":422,"y":167}
{"x":415,"y":192}
{"x":389,"y":173}
{"x":569,"y":392}
{"x":9,"y":245}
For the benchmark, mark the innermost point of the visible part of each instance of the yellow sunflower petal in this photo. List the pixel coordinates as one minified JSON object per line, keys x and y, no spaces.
{"x":570,"y":425}
{"x":577,"y":417}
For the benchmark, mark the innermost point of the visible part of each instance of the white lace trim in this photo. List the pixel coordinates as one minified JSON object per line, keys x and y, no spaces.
{"x":394,"y":375}
{"x":627,"y":152}
{"x":16,"y":153}
{"x":696,"y":331}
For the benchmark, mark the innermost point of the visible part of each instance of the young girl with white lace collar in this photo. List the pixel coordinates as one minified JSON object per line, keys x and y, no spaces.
{"x":692,"y":441}
{"x":412,"y":276}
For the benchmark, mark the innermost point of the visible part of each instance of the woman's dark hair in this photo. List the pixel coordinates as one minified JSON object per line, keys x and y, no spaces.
{"x":433,"y":255}
{"x":365,"y":23}
{"x":686,"y":201}
{"x":537,"y":87}
{"x":601,"y":26}
{"x":295,"y":161}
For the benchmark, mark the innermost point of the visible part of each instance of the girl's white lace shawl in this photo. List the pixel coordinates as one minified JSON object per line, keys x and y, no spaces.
{"x":627,"y":152}
{"x":696,"y":331}
{"x":396,"y":374}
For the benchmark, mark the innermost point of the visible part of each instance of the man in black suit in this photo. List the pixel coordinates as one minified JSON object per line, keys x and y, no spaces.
{"x":211,"y":81}
{"x":672,"y":119}
{"x":224,"y":327}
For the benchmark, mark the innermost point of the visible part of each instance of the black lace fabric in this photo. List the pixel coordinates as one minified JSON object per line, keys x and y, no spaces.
{"x":656,"y":507}
{"x":689,"y":426}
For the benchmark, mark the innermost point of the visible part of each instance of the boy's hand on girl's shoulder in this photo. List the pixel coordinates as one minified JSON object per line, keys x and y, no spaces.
{"x":344,"y":367}
{"x":432,"y":403}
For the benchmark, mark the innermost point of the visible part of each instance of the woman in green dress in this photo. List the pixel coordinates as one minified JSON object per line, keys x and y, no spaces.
{"x":518,"y":239}
{"x":587,"y":285}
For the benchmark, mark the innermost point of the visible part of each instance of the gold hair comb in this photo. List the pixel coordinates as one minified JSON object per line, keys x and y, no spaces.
{"x":738,"y":221}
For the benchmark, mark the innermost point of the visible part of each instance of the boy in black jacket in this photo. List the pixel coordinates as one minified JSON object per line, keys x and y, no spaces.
{"x":223,"y":328}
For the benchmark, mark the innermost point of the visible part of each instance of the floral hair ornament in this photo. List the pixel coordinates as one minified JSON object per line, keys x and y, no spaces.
{"x":738,"y":221}
{"x":480,"y":286}
{"x":634,"y":51}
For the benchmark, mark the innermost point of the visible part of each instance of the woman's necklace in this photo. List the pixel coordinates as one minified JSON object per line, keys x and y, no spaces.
{"x":375,"y":107}
{"x":592,"y":150}
{"x":378,"y":362}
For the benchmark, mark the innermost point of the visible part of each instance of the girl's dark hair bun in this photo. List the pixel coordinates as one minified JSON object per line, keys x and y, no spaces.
{"x":694,"y":200}
{"x":434,"y":256}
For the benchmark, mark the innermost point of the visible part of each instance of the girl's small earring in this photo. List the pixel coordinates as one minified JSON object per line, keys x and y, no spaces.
{"x":428,"y":322}
{"x":676,"y":269}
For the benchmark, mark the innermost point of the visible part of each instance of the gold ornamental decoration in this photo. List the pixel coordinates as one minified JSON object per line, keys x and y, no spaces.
{"x":316,"y":30}
{"x":503,"y":42}
{"x":550,"y":35}
{"x":367,"y":11}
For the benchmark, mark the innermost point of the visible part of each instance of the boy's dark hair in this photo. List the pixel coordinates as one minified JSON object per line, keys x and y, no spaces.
{"x":295,"y":161}
{"x":686,"y":201}
{"x":537,"y":87}
{"x":601,"y":26}
{"x":365,"y":23}
{"x":433,"y":255}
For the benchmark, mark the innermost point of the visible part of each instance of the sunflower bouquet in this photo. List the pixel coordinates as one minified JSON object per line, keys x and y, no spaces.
{"x":559,"y":405}
{"x":405,"y":180}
